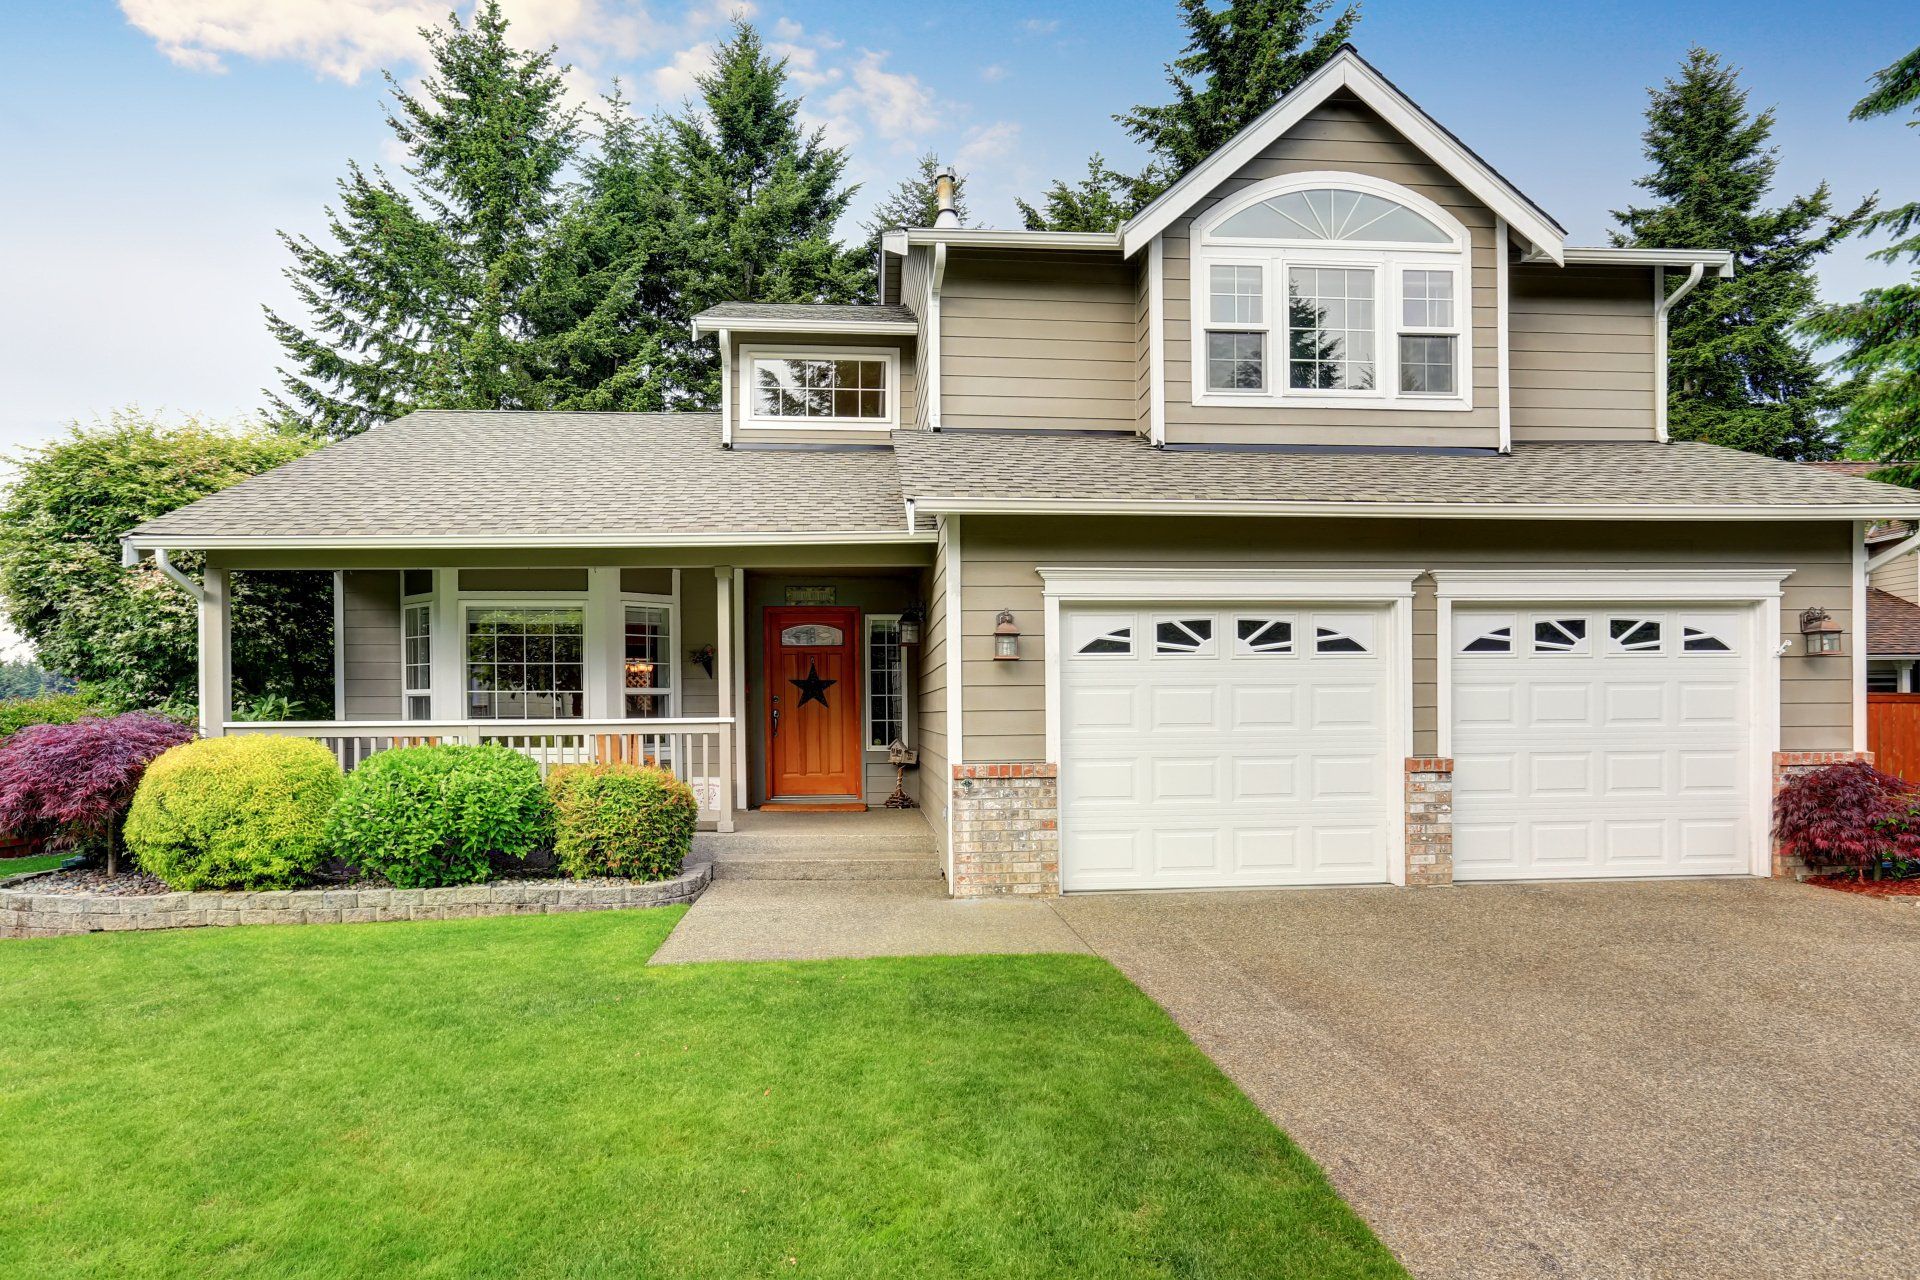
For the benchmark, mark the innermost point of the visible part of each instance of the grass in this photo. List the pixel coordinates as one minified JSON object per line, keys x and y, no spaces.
{"x":520,"y":1097}
{"x":20,"y":866}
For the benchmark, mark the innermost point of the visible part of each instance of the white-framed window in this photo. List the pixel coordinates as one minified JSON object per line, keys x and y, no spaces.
{"x":1331,"y":288}
{"x":649,"y":671}
{"x":525,"y":660}
{"x":886,"y":682}
{"x":856,"y":388}
{"x":416,"y":659}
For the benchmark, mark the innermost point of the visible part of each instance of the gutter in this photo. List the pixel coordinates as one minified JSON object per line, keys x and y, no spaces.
{"x":459,"y":542}
{"x":130,"y":557}
{"x":1404,"y":510}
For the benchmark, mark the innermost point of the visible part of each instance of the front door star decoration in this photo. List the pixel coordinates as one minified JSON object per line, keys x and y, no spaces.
{"x":813,"y":688}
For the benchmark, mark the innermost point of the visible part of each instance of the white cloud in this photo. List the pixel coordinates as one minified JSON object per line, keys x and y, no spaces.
{"x":897,"y":104}
{"x":680,"y":77}
{"x":995,"y":72}
{"x":1040,"y":26}
{"x":984,"y":143}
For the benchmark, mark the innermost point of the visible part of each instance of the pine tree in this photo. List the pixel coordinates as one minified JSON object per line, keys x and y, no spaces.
{"x":1881,"y":332}
{"x":1736,"y":374}
{"x":756,"y":197}
{"x":914,"y":203}
{"x":1238,"y":61}
{"x":418,"y":301}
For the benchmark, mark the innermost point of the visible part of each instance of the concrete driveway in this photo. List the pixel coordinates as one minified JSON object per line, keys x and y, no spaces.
{"x":1689,"y":1079}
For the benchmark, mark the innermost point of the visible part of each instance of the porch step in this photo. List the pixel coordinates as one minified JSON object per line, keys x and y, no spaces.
{"x":880,"y":844}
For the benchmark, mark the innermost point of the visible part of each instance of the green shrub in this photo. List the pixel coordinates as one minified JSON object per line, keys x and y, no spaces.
{"x":51,"y":708}
{"x":245,"y":812}
{"x":427,"y":816}
{"x":621,"y":820}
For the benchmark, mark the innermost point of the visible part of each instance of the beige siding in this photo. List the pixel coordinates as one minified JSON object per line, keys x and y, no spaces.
{"x":746,"y":434}
{"x":370,"y":614}
{"x":934,"y":773}
{"x":1039,"y":340}
{"x":1005,"y":701}
{"x":916,"y":284}
{"x":1143,"y":351}
{"x":1582,"y":353}
{"x":1341,"y":134}
{"x":1900,"y":576}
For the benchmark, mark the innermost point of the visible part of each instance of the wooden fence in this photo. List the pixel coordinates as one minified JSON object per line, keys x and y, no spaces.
{"x":1893,"y":733}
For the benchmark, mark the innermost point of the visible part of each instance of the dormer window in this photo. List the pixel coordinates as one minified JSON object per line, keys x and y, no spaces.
{"x":853,"y":387}
{"x":1331,"y":289}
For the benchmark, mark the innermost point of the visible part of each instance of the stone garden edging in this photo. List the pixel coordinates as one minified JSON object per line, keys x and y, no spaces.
{"x":26,"y":914}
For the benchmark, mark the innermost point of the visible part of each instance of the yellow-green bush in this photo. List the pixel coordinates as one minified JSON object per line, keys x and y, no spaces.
{"x":245,"y":812}
{"x":621,"y":820}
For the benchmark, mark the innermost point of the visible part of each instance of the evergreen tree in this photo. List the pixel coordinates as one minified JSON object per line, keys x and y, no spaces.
{"x":1881,"y":332}
{"x":914,"y":203}
{"x":756,"y":198}
{"x":418,"y":303}
{"x":1737,"y":376}
{"x":597,"y":305}
{"x":1240,"y":58}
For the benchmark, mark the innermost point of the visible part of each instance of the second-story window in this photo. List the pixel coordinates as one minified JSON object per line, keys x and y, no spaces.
{"x":1331,"y":288}
{"x":821,"y":388}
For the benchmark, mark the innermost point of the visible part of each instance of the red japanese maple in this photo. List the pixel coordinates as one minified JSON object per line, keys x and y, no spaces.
{"x":1849,"y":815}
{"x":76,"y":780}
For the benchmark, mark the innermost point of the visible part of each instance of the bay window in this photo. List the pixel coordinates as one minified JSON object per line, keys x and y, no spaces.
{"x":1371,"y":281}
{"x":647,"y":683}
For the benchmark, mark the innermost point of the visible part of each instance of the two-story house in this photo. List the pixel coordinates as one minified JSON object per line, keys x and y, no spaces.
{"x":1319,"y":526}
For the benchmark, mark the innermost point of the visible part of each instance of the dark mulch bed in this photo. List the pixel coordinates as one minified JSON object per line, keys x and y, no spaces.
{"x":1871,"y":888}
{"x":130,"y":884}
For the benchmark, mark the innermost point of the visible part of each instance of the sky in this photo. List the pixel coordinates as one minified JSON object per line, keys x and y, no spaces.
{"x":153,"y":147}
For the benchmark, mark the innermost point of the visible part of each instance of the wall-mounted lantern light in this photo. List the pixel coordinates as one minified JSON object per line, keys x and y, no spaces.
{"x":1006,"y":638}
{"x":1822,"y":632}
{"x":910,"y":620}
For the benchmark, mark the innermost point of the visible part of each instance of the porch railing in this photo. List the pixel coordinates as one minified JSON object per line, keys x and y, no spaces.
{"x":698,"y":749}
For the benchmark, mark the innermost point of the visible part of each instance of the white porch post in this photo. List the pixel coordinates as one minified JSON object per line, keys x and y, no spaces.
{"x":723,"y":678}
{"x":216,"y":652}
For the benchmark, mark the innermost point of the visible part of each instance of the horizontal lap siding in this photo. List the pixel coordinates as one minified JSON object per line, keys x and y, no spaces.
{"x":1582,"y":363}
{"x":1006,"y":701}
{"x":370,"y":637}
{"x":1341,"y":134}
{"x":915,"y":285}
{"x":1035,"y":340}
{"x":931,"y":713}
{"x":1899,"y":576}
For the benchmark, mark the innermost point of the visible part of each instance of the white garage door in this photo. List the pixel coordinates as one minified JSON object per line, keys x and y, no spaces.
{"x":1207,"y":746}
{"x":1595,"y":742}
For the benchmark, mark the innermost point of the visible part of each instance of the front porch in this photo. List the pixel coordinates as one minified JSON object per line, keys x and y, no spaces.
{"x":784,"y":680}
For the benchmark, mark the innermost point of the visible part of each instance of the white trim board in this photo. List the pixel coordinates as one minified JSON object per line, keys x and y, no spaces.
{"x":1398,"y":510}
{"x":1347,"y":70}
{"x":762,"y":325}
{"x":509,"y":542}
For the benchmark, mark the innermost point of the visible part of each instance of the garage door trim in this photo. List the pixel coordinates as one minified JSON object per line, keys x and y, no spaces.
{"x":1256,"y":585}
{"x":1758,"y":589}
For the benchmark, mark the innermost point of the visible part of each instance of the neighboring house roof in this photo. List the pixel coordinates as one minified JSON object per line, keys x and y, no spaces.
{"x":1893,"y":624}
{"x":960,"y":471}
{"x":554,"y":479}
{"x":806,"y":317}
{"x":1349,"y":71}
{"x":1884,"y":531}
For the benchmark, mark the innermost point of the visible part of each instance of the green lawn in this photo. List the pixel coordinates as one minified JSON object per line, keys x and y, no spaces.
{"x":19,"y":866}
{"x":520,"y":1097}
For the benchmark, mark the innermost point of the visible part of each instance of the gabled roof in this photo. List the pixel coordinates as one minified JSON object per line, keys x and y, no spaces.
{"x":476,"y":479}
{"x":1348,"y":71}
{"x":807,"y":317}
{"x":1893,"y":624}
{"x":1015,"y":472}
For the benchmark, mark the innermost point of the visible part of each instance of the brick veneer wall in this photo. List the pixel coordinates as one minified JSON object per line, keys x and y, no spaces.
{"x":1429,"y":797}
{"x":1006,"y":830}
{"x":1791,"y":764}
{"x":26,"y":914}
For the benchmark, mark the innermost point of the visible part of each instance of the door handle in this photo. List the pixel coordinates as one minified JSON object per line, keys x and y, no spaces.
{"x":776,"y":718}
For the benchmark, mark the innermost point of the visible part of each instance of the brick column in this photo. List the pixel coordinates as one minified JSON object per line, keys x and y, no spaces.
{"x":1429,"y":820}
{"x":1006,"y":830}
{"x":1791,"y":764}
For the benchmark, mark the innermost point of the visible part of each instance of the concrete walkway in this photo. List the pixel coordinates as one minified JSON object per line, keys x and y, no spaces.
{"x":755,"y":919}
{"x":1689,"y":1079}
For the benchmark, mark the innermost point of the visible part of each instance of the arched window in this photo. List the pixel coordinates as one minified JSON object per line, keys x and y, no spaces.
{"x":1327,"y":287}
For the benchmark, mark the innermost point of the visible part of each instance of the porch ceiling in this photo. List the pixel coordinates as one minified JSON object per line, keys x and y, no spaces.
{"x":452,"y":479}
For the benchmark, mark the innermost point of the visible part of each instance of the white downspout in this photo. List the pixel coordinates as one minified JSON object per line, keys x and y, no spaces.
{"x":172,"y":571}
{"x":1663,"y":304}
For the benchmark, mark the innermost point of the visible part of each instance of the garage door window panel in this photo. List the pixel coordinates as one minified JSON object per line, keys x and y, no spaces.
{"x":1634,"y":635}
{"x":1263,"y":635}
{"x":1103,"y":636}
{"x":1702,"y":635}
{"x":1191,"y":637}
{"x":1335,"y":634}
{"x":1560,"y":635}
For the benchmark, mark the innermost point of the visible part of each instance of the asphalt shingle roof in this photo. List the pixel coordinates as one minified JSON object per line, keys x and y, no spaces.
{"x":443,"y":473}
{"x":1087,"y":468}
{"x":1893,"y":624}
{"x":892,"y":313}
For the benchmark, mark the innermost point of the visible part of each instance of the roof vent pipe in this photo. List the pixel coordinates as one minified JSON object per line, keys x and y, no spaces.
{"x":943,"y":200}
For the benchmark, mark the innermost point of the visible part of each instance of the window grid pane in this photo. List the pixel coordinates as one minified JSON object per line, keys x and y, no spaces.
{"x":1330,"y":326}
{"x":1426,"y":300}
{"x":1235,"y":294}
{"x":417,"y":652}
{"x":525,"y":663}
{"x":647,"y":664}
{"x":1236,"y":361}
{"x":1426,"y":364}
{"x":835,"y":388}
{"x":886,"y":684}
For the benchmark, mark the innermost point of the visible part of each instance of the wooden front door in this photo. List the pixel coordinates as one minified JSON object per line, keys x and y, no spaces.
{"x":813,"y":703}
